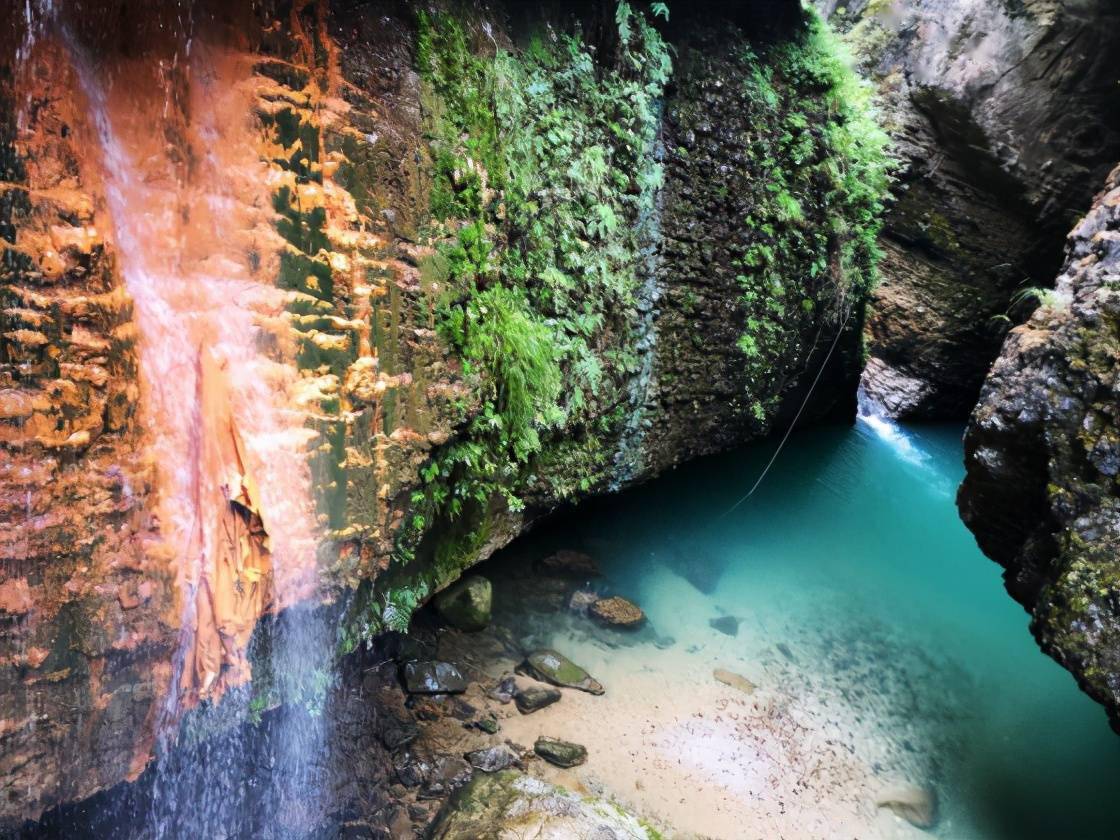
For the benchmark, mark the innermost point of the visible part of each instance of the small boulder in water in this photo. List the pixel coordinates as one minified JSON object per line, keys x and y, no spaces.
{"x":581,"y":601}
{"x":916,"y":805}
{"x":433,"y":678}
{"x":466,"y":604}
{"x":551,"y":667}
{"x":617,"y":612}
{"x":726,"y":624}
{"x":560,"y":753}
{"x":569,"y":564}
{"x":493,"y":759}
{"x":734,"y":680}
{"x":534,"y":699}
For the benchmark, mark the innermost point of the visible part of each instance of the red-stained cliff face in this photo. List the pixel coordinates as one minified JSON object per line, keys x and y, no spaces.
{"x":155,"y":484}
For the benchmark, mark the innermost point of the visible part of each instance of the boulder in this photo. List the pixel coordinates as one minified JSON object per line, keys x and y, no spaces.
{"x":916,"y":805}
{"x":433,"y":678}
{"x":551,"y":667}
{"x":581,"y":601}
{"x":734,"y":680}
{"x":534,"y":699}
{"x":493,"y":759}
{"x":568,"y":564}
{"x":726,"y":624}
{"x":465,"y":605}
{"x":617,"y":612}
{"x":560,"y":753}
{"x":510,"y":804}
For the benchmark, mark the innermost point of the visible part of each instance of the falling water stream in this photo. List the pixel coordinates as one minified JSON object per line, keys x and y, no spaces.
{"x":189,"y":204}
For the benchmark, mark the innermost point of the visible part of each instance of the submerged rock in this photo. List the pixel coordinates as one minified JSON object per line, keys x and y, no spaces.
{"x":433,"y":678}
{"x":534,"y":699}
{"x":918,"y":806}
{"x":734,"y":680}
{"x":510,"y":804}
{"x":726,"y":624}
{"x":560,"y":753}
{"x":493,"y":759}
{"x":552,"y":667}
{"x":466,"y":604}
{"x":581,"y":601}
{"x":617,"y":612}
{"x":570,"y":564}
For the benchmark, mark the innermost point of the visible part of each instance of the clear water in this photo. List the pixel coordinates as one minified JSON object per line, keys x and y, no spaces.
{"x":850,"y":567}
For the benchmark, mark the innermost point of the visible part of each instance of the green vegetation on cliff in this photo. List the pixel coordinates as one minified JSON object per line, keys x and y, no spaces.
{"x":545,"y":176}
{"x":822,"y":170}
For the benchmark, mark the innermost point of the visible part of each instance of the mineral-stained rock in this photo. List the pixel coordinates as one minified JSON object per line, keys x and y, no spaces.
{"x":1041,"y":452}
{"x":560,"y":753}
{"x":570,"y":564}
{"x":551,"y":667}
{"x":510,"y":805}
{"x":433,"y":678}
{"x":918,"y":806}
{"x":617,"y":612}
{"x":466,"y":603}
{"x":534,"y":699}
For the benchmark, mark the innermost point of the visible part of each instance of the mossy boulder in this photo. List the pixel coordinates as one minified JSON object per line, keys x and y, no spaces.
{"x":560,"y":753}
{"x":551,"y":667}
{"x":509,"y":805}
{"x":466,"y":604}
{"x":534,"y":699}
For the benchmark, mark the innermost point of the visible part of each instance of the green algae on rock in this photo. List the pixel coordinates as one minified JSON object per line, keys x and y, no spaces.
{"x":510,"y":805}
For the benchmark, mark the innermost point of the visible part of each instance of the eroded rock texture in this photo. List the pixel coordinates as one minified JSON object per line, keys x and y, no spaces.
{"x":1007,"y":116}
{"x":1043,"y":457}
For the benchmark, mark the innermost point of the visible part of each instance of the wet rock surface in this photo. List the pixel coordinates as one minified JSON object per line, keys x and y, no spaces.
{"x":617,"y":612}
{"x":552,"y":667}
{"x":433,"y":678}
{"x":1042,"y":454}
{"x":1007,"y":117}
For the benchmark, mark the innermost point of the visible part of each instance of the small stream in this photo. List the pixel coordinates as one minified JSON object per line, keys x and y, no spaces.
{"x":868,"y":615}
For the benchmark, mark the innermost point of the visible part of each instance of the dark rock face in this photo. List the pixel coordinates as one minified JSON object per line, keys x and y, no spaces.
{"x":1043,"y":457}
{"x":1007,"y":117}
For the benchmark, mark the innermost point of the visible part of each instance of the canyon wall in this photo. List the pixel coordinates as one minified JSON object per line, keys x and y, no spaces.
{"x":1007,"y":118}
{"x":303,"y":303}
{"x":1043,"y":456}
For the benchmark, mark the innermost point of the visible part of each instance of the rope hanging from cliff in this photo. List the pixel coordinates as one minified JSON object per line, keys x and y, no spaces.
{"x":796,"y":417}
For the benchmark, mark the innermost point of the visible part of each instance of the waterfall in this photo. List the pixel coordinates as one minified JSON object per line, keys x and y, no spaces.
{"x":190,"y":207}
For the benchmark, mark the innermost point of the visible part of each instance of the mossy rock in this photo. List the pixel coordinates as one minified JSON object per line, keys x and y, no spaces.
{"x":560,"y":753}
{"x":508,"y":805}
{"x":466,"y":604}
{"x":555,"y":668}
